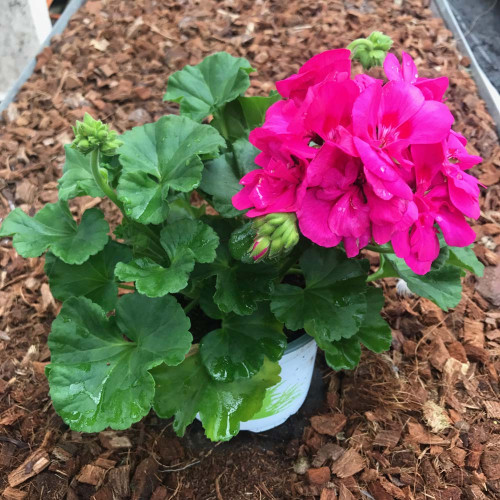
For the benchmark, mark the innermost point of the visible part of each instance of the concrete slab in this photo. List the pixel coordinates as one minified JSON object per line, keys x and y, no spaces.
{"x":24,"y":25}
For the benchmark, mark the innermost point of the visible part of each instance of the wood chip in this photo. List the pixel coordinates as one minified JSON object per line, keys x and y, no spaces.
{"x":91,"y":474}
{"x":474,"y":332}
{"x":14,"y":494}
{"x":145,"y":479}
{"x":119,"y":480}
{"x":319,"y":475}
{"x":439,"y":354}
{"x":457,"y":456}
{"x":387,"y":438}
{"x":492,"y":408}
{"x":329,"y":451}
{"x":32,"y":466}
{"x":348,"y":464}
{"x":418,"y":434}
{"x":345,"y":494}
{"x":328,"y":494}
{"x":490,"y":460}
{"x":475,"y":353}
{"x":329,"y":424}
{"x":160,"y":493}
{"x":112,"y":441}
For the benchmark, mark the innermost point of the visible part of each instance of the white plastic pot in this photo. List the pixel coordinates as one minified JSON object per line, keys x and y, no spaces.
{"x":285,"y":399}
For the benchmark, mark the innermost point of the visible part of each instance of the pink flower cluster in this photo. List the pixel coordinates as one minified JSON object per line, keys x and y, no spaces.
{"x":358,"y":160}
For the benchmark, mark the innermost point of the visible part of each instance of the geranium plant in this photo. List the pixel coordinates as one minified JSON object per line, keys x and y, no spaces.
{"x":293,"y":186}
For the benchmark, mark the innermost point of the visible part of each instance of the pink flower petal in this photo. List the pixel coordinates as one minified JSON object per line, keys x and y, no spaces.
{"x":392,"y":68}
{"x":365,"y":112}
{"x":400,"y":101}
{"x":429,"y":125}
{"x":313,"y":220}
{"x":410,"y":73}
{"x":456,"y":231}
{"x":433,"y":88}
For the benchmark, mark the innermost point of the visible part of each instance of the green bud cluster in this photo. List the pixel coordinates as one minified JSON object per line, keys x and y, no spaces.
{"x":370,"y":51}
{"x":276,"y":234}
{"x":92,"y":134}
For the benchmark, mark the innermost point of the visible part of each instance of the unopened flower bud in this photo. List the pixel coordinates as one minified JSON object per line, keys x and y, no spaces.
{"x":276,"y":235}
{"x":92,"y":134}
{"x":370,"y":51}
{"x":260,"y":248}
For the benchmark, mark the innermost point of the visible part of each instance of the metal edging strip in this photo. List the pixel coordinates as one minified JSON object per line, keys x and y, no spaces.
{"x":485,"y":87}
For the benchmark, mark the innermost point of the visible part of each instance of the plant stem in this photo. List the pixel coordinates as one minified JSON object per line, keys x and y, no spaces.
{"x":190,"y":306}
{"x":126,"y":287}
{"x":375,"y":248}
{"x":105,"y":188}
{"x":108,"y":191}
{"x":294,"y":270}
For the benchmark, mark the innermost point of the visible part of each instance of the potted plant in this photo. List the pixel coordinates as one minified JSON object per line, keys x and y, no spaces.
{"x":220,"y":296}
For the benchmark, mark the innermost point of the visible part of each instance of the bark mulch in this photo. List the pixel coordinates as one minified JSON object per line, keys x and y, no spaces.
{"x":419,"y":422}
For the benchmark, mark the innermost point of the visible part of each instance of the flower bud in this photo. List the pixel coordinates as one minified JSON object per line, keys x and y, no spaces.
{"x":276,"y":235}
{"x":260,"y":248}
{"x":93,"y":134}
{"x":370,"y":51}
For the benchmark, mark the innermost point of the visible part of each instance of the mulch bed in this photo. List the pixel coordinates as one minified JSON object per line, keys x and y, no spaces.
{"x":419,"y":422}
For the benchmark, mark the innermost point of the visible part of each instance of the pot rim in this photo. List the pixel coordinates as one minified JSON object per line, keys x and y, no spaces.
{"x":298,"y":343}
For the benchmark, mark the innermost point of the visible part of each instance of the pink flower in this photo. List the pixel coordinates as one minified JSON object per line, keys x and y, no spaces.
{"x":446,"y":162}
{"x":396,"y":115}
{"x":431,"y":88}
{"x":276,"y":188}
{"x":333,"y":208}
{"x":385,"y":121}
{"x":331,"y":65}
{"x":389,"y":216}
{"x":356,"y":159}
{"x":327,"y":113}
{"x":281,"y":136}
{"x":419,"y":246}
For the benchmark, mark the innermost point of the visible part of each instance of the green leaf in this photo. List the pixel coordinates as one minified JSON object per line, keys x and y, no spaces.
{"x":98,"y":378}
{"x":206,"y":297}
{"x":342,"y":355}
{"x":94,"y":279}
{"x":332,"y":305}
{"x":53,"y":228}
{"x":442,"y":258}
{"x":181,"y":208}
{"x":190,"y":236}
{"x":254,"y":108}
{"x":154,"y":280}
{"x":230,"y":121}
{"x":375,"y":333}
{"x":465,"y":258}
{"x":185,"y":242}
{"x":238,"y":118}
{"x":77,"y":178}
{"x":239,"y":286}
{"x":442,"y":285}
{"x":139,"y":241}
{"x":238,"y":348}
{"x":160,"y":157}
{"x":204,"y":88}
{"x":221,"y":177}
{"x":187,"y":390}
